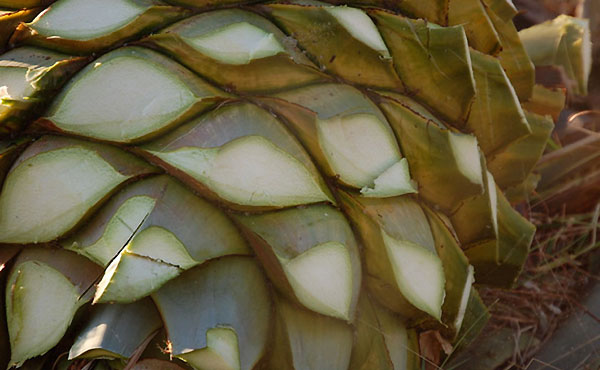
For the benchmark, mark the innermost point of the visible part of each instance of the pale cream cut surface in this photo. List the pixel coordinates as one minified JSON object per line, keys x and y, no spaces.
{"x":162,"y":245}
{"x":86,"y":19}
{"x":118,"y":230}
{"x":491,"y":188}
{"x":237,"y":44}
{"x":466,"y":155}
{"x":153,"y":257}
{"x":123,"y":99}
{"x":358,"y":147}
{"x":249,"y":171}
{"x":392,"y":182}
{"x":39,"y":310}
{"x":48,"y":194}
{"x":221,"y":351}
{"x":130,"y":277}
{"x":14,"y":86}
{"x":321,"y":279}
{"x":360,"y":26}
{"x":464,"y":299}
{"x":419,"y":274}
{"x":396,"y":337}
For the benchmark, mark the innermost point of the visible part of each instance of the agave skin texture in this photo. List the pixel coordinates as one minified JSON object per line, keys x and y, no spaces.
{"x":258,"y":185}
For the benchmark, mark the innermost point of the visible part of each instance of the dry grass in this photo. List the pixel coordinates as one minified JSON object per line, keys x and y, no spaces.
{"x":556,"y":273}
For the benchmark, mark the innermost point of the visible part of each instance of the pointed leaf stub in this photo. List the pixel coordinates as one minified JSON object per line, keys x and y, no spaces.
{"x":131,"y":276}
{"x":564,"y":41}
{"x":496,"y":117}
{"x":383,"y":341}
{"x":56,"y":183}
{"x":512,"y":165}
{"x":238,"y":50}
{"x":242,"y":156}
{"x":10,"y":19}
{"x":34,"y":330}
{"x":459,"y":273}
{"x":435,"y":11}
{"x":479,"y":28}
{"x":475,"y":319}
{"x":445,"y":164}
{"x":476,"y":219}
{"x":499,"y":262}
{"x":311,"y":256}
{"x":353,"y":48}
{"x":23,"y":4}
{"x":513,"y":57}
{"x":437,"y":77}
{"x":347,"y":135}
{"x":505,"y":9}
{"x":130,"y":94}
{"x":116,"y":330}
{"x":43,"y":293}
{"x":164,"y":204}
{"x":151,"y":232}
{"x":306,"y":340}
{"x":399,"y":253}
{"x":29,"y":76}
{"x":230,"y":292}
{"x":99,"y":24}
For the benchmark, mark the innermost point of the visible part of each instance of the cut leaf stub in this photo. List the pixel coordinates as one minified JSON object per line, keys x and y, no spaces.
{"x":343,"y":41}
{"x":238,"y":50}
{"x":307,"y":340}
{"x":311,"y":255}
{"x":457,"y":270}
{"x":150,"y":233}
{"x":513,"y":57}
{"x":229,"y":303}
{"x":10,"y":19}
{"x":44,"y":290}
{"x":29,"y":76}
{"x":565,"y":42}
{"x":56,"y":182}
{"x":99,"y":24}
{"x":440,"y":79}
{"x":347,"y":135}
{"x":399,"y":252}
{"x":130,"y":94}
{"x":241,"y":155}
{"x":256,"y":184}
{"x":116,"y":330}
{"x":40,"y":305}
{"x":499,"y":262}
{"x":445,"y":163}
{"x":383,"y":341}
{"x":495,"y":103}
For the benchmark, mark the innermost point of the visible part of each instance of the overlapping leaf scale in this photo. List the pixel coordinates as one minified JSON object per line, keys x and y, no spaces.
{"x":100,"y":24}
{"x":31,"y":76}
{"x":116,"y":330}
{"x":150,"y":233}
{"x":10,"y":19}
{"x":56,"y":183}
{"x":44,"y":290}
{"x":240,"y":155}
{"x":238,"y":50}
{"x":268,"y":128}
